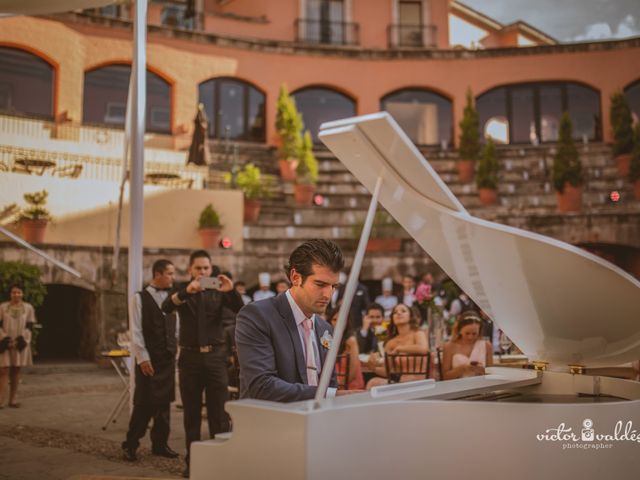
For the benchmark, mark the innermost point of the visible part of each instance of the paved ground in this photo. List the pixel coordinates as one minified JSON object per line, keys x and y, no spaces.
{"x":57,"y":432}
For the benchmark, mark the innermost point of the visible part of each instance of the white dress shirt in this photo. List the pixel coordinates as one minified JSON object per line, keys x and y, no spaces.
{"x":262,"y":294}
{"x":138,"y":347}
{"x":299,"y":317}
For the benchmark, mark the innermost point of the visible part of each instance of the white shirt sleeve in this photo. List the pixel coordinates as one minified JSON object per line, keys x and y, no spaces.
{"x":138,"y":347}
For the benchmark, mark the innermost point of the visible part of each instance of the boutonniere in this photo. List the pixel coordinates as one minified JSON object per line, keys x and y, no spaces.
{"x":326,"y":339}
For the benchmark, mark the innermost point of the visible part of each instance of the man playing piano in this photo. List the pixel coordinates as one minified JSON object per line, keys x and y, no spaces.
{"x":282,"y":342}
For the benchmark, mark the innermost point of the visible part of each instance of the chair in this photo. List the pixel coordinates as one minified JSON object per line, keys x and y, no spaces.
{"x":342,"y":371}
{"x":234,"y":376}
{"x":399,"y":364}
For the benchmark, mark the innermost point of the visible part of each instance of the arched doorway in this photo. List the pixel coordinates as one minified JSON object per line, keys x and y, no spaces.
{"x":69,"y":327}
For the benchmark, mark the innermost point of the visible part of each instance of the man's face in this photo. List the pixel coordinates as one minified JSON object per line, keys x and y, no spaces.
{"x":16,"y":295}
{"x":407,"y":283}
{"x":374,"y":316}
{"x":165,"y":279}
{"x":241,"y":289}
{"x":314,"y":294}
{"x":201,"y":267}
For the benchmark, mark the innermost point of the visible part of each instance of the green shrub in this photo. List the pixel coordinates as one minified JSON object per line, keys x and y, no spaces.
{"x":209,"y":218}
{"x":289,"y":125}
{"x":36,"y":209}
{"x":252,"y":182}
{"x":567,"y":167}
{"x":307,"y":169}
{"x":621,"y":123}
{"x":634,"y":170}
{"x":487,"y":167}
{"x":28,"y":276}
{"x":469,"y":147}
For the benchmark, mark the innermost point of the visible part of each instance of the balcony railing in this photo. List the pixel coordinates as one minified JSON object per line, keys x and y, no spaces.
{"x":327,"y":33}
{"x":418,"y":36}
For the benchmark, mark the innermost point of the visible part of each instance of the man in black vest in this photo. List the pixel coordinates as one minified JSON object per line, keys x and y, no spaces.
{"x":154,"y":348}
{"x":203,"y":354}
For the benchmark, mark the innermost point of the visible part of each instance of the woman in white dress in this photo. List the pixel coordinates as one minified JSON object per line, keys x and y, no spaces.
{"x":16,"y":320}
{"x":466,"y":354}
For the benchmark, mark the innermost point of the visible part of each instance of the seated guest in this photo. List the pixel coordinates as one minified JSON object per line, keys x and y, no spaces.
{"x":388,"y":300}
{"x":241,"y":288}
{"x":348,"y":346}
{"x":466,"y":354}
{"x":405,"y":336}
{"x":366,"y":336}
{"x":282,"y":286}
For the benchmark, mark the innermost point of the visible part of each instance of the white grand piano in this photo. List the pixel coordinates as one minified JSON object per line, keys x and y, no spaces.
{"x":566,"y":309}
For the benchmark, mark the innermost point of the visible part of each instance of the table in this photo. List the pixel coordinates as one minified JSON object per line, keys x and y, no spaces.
{"x":118,"y":359}
{"x":33,"y":165}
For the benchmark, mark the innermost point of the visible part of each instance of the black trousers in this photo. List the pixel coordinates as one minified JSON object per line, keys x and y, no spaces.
{"x":140,"y":417}
{"x":203,"y":372}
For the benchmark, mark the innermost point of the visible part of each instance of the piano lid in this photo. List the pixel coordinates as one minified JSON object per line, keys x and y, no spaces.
{"x":558,"y":303}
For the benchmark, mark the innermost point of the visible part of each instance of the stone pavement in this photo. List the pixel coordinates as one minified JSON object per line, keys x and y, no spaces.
{"x":57,"y":431}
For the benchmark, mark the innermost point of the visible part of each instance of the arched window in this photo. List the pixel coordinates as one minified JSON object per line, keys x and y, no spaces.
{"x":318,"y":105}
{"x":105,"y":98}
{"x":26,"y":83}
{"x":632,"y":92}
{"x":530,"y":113}
{"x":235,"y":109}
{"x":425,"y":116}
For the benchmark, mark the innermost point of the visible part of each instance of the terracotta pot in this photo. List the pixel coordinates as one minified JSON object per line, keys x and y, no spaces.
{"x":384,"y":245}
{"x":33,"y":230}
{"x":570,"y":200}
{"x":251,"y":210}
{"x":623,"y":162}
{"x":210,"y":237}
{"x":488,"y":196}
{"x":465,"y":170}
{"x":636,"y":189}
{"x":287,"y":169}
{"x":303,"y":194}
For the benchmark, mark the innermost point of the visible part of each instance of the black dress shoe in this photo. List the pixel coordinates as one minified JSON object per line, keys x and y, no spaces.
{"x":165,"y":451}
{"x":129,"y":452}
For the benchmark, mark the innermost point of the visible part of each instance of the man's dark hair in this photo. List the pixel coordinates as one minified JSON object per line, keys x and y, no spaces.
{"x":375,"y":306}
{"x":19,"y":286}
{"x":198,"y":254}
{"x":240,"y":283}
{"x":159,"y":266}
{"x":315,"y":252}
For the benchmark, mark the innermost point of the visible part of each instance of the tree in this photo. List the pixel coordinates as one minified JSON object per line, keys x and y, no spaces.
{"x":470,"y":131}
{"x":307,"y":170}
{"x":487,"y":171}
{"x":289,"y":124}
{"x":621,"y":123}
{"x":567,"y":167}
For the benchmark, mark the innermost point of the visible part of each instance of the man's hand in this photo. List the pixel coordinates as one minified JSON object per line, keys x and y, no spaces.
{"x":147,"y":368}
{"x":226,"y":284}
{"x":194,"y":286}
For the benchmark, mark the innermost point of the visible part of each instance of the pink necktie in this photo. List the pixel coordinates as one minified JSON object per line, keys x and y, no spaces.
{"x":312,"y":371}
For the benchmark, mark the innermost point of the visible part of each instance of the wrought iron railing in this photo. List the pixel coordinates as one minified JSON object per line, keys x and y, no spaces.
{"x":328,"y":33}
{"x":419,"y":36}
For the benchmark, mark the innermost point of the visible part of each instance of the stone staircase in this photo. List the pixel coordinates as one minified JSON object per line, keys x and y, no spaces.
{"x":526,"y":200}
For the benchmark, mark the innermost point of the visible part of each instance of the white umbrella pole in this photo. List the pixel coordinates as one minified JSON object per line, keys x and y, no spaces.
{"x":136,"y":214}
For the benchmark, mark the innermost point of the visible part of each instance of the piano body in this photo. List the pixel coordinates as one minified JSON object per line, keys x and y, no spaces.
{"x":566,"y":309}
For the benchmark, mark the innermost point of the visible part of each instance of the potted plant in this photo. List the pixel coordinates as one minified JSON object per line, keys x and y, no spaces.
{"x":567,"y":170}
{"x":306,"y":173}
{"x":487,"y":174}
{"x":622,"y":125}
{"x":255,"y":186}
{"x":634,"y":168}
{"x":34,"y":219}
{"x":469,"y":148}
{"x":210,"y":227}
{"x":385,"y":233}
{"x":289,"y":127}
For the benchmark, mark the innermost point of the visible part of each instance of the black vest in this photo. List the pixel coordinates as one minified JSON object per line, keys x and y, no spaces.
{"x":158,"y":330}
